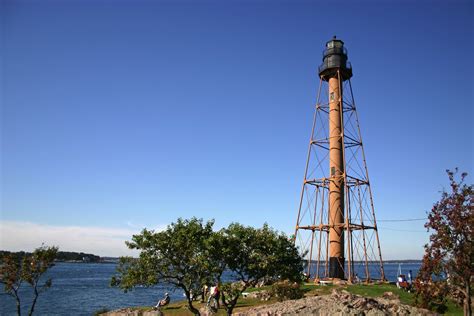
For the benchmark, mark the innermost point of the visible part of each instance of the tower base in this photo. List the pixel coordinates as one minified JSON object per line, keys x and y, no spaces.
{"x":336,"y":267}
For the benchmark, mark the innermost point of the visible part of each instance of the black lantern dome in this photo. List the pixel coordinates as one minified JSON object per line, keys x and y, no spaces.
{"x":335,"y":58}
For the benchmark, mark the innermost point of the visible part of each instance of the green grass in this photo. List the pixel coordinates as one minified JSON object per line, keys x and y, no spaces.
{"x":454,"y":309}
{"x":308,"y":288}
{"x":312,"y":289}
{"x":377,"y":290}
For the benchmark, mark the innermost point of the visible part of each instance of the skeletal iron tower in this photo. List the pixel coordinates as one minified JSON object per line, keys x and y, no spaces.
{"x":336,"y":226}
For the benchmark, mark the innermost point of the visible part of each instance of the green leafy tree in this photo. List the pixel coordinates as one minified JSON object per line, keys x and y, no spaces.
{"x":18,"y":269}
{"x":448,"y":262}
{"x":189,"y":255}
{"x":255,"y":255}
{"x":177,"y":256}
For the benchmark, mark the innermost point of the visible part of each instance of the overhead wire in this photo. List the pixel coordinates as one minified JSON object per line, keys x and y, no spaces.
{"x":402,"y":220}
{"x":403,"y":230}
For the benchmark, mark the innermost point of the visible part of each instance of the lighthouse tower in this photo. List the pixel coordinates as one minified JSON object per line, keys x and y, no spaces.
{"x":336,"y":227}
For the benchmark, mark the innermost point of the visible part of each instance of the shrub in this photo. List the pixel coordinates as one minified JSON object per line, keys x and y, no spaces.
{"x":287,"y":291}
{"x":447,"y":263}
{"x":431,"y":295}
{"x":101,"y":311}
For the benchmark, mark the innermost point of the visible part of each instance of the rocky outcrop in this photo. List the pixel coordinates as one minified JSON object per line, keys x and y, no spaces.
{"x":338,"y":303}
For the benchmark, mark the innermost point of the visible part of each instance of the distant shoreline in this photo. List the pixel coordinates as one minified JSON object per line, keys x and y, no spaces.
{"x":81,"y":257}
{"x":88,"y":262}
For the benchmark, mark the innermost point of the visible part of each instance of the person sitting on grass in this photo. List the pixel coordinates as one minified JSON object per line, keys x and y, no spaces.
{"x":357,"y":280}
{"x":165,"y":301}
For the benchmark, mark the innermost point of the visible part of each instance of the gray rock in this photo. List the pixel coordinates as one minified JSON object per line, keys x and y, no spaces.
{"x":338,"y":303}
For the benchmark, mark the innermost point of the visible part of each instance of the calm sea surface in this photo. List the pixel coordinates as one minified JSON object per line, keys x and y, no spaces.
{"x":83,"y":288}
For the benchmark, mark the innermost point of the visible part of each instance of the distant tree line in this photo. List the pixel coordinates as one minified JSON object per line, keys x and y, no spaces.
{"x":76,"y":256}
{"x":60,"y":256}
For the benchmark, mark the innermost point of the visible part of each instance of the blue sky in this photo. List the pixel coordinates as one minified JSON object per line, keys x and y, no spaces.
{"x":119,"y":115}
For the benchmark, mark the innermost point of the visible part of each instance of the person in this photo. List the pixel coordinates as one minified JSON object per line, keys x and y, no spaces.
{"x":399,"y":281}
{"x":357,"y":280}
{"x":165,"y":301}
{"x":217,"y":294}
{"x":214,"y":294}
{"x":305,"y":276}
{"x":205,"y":289}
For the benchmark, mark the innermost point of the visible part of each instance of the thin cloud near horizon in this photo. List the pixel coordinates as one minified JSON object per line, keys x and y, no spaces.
{"x":102,"y":241}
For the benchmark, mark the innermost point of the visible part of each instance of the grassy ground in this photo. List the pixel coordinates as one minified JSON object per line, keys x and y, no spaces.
{"x":373,"y":290}
{"x":377,"y":290}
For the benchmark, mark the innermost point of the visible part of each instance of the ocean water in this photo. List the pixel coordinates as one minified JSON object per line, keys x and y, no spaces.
{"x":83,"y":288}
{"x":373,"y":271}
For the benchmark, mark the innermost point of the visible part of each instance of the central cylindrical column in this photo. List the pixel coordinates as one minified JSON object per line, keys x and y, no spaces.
{"x":336,"y":182}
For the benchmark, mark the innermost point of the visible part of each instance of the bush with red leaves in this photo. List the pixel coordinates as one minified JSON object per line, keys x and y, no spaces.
{"x":447,"y":268}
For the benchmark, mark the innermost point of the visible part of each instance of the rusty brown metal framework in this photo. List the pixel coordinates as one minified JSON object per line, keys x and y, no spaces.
{"x":362,"y":252}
